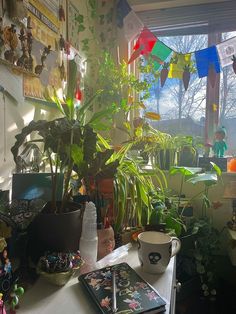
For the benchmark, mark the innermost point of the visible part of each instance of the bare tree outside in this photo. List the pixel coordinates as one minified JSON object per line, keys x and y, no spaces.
{"x":172,"y":101}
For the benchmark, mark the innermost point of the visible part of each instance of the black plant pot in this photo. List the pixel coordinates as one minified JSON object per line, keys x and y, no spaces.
{"x":55,"y":232}
{"x":165,"y":158}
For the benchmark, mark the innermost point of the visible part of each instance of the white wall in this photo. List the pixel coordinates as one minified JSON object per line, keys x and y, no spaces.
{"x":18,"y":113}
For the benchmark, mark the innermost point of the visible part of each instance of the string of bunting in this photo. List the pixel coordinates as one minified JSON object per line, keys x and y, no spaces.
{"x":172,"y":64}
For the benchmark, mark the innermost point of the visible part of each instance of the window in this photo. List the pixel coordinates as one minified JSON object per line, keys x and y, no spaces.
{"x":227,"y":114}
{"x":182,"y":112}
{"x":187,"y":23}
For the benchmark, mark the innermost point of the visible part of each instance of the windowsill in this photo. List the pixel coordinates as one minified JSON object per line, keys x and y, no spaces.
{"x":149,"y":167}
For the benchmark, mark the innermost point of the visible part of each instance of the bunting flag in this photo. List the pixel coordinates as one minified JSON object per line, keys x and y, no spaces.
{"x":159,"y":54}
{"x":132,"y":26}
{"x":226,"y":51}
{"x":207,"y":59}
{"x":122,"y":10}
{"x":178,"y":63}
{"x":144,"y":44}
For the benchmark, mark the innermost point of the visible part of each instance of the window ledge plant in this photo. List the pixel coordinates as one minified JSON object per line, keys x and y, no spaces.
{"x":198,"y":258}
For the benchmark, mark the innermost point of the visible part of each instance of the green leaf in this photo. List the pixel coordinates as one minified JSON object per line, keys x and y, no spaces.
{"x":103,"y":114}
{"x":216,"y":168}
{"x":103,"y":141}
{"x":185,"y":171}
{"x":77,"y":154}
{"x":206,"y":201}
{"x":173,"y":223}
{"x":206,"y":178}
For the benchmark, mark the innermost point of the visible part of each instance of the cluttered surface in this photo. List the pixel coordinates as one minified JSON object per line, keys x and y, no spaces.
{"x":73,"y":297}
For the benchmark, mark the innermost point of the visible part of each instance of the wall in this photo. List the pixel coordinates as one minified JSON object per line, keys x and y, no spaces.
{"x":14,"y":115}
{"x":18,"y":112}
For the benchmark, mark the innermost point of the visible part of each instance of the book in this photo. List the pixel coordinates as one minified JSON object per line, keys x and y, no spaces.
{"x":132,"y":293}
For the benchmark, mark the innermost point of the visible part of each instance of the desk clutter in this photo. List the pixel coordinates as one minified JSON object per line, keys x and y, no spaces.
{"x":120,"y":289}
{"x":58,"y":268}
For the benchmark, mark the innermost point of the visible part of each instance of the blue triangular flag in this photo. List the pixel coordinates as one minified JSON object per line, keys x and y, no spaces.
{"x":123,"y":9}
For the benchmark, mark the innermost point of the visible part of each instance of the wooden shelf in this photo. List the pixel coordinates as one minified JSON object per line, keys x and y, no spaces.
{"x":17,"y":69}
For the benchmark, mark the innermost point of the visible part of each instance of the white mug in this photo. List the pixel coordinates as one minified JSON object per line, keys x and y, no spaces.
{"x":155,"y":250}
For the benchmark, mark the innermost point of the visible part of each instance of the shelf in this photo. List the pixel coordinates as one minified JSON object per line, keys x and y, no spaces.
{"x":18,"y":69}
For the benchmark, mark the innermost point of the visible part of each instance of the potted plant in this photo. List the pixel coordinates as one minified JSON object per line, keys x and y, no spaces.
{"x":200,"y":241}
{"x":70,"y":145}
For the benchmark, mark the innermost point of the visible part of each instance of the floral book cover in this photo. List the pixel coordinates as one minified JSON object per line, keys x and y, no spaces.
{"x":133,"y":294}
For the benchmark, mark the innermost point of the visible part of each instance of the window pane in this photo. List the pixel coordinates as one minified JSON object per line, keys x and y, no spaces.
{"x":228,"y":101}
{"x":182,"y":112}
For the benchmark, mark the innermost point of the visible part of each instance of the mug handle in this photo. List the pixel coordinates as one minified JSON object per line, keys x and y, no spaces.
{"x":176,"y":247}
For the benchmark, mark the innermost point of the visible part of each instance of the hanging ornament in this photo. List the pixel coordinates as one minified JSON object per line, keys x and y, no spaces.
{"x":234,"y":63}
{"x":62,"y":43}
{"x":62,"y":71}
{"x":212,"y":75}
{"x":186,"y":76}
{"x":61,"y":13}
{"x":214,"y":107}
{"x":164,"y":73}
{"x":78,"y":94}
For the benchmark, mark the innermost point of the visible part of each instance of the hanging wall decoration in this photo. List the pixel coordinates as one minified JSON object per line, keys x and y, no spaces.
{"x":164,"y":73}
{"x":177,"y":64}
{"x":206,"y":59}
{"x":45,"y":32}
{"x":61,"y":13}
{"x":132,"y":26}
{"x":122,"y":10}
{"x":159,"y":54}
{"x":144,"y":44}
{"x":186,"y":76}
{"x":227,"y":51}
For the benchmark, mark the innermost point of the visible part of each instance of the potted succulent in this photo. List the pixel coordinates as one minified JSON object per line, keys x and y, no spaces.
{"x":70,"y":145}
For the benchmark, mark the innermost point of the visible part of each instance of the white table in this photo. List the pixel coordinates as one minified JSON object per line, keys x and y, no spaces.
{"x":44,"y":298}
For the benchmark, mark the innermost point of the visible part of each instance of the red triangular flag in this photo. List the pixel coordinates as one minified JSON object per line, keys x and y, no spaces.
{"x":144,"y":44}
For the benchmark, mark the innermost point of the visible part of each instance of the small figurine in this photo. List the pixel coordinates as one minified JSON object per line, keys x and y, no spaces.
{"x":39,"y":68}
{"x":7,"y":266}
{"x":2,"y":306}
{"x":219,"y":146}
{"x":10,"y":38}
{"x":15,"y":295}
